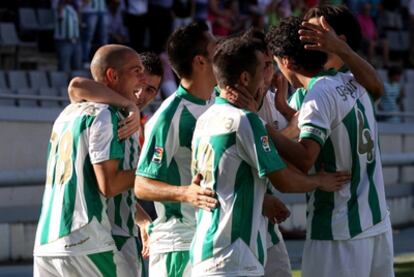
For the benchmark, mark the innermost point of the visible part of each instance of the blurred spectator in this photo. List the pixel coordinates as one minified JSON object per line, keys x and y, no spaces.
{"x":278,"y":9}
{"x":136,"y":21}
{"x":225,"y":17}
{"x":183,"y":12}
{"x":169,"y":85}
{"x":93,"y":15}
{"x":160,"y":23}
{"x":201,"y":10}
{"x":66,"y":35}
{"x":392,"y":100}
{"x":117,"y":32}
{"x":370,"y":36}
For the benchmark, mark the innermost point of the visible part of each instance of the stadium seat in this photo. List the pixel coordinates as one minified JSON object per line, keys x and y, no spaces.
{"x":31,"y":93}
{"x":18,"y":79}
{"x":38,"y":79}
{"x":49,"y":92}
{"x":46,"y":19}
{"x":9,"y":36}
{"x":28,"y":20}
{"x":6,"y":101}
{"x":80,"y":73}
{"x":58,"y":79}
{"x":3,"y":84}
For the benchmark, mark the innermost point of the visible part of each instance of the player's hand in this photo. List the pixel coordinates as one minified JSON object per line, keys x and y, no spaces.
{"x":241,"y":97}
{"x":200,"y":197}
{"x":274,"y":209}
{"x":145,"y":241}
{"x":333,"y":181}
{"x":321,"y":37}
{"x":131,"y":124}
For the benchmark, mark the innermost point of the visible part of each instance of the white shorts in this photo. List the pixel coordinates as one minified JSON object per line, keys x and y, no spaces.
{"x":278,"y":263}
{"x":171,"y":264}
{"x":372,"y":256}
{"x":130,"y":247}
{"x":110,"y":263}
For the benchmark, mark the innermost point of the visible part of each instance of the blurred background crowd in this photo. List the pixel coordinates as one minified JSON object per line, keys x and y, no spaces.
{"x":62,"y":35}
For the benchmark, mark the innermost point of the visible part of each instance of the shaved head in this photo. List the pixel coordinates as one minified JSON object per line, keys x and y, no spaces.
{"x":109,"y":56}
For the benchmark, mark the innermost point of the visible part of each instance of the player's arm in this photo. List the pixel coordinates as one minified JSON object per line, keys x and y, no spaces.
{"x":274,"y":209}
{"x":281,"y":85}
{"x":155,"y":190}
{"x":323,"y":38}
{"x":142,"y":219}
{"x":83,"y":89}
{"x":111,"y":180}
{"x":301,"y":154}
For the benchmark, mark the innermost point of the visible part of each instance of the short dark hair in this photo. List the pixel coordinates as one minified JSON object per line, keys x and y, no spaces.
{"x":258,"y":36}
{"x":232,"y":57}
{"x":342,"y":21}
{"x":184,"y":44}
{"x":283,"y":41}
{"x":152,"y":63}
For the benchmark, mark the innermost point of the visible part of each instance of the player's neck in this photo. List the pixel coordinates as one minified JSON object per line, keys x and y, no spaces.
{"x":304,"y":77}
{"x":198,"y":88}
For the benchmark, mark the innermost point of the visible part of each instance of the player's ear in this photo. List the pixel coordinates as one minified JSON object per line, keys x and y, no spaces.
{"x":244,"y":78}
{"x":111,"y":75}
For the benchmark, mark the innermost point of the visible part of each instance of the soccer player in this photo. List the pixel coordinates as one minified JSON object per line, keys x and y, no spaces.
{"x":123,"y":208}
{"x":349,"y":231}
{"x":163,"y":173}
{"x":334,"y":30}
{"x":233,"y":153}
{"x":84,"y":169}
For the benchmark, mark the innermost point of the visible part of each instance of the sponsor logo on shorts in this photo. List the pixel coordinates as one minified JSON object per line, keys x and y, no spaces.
{"x":265,"y":143}
{"x":158,"y":153}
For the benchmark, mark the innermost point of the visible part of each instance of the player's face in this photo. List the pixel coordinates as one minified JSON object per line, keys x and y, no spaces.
{"x":256,"y":83}
{"x":269,"y":70}
{"x":148,"y":91}
{"x":130,"y":77}
{"x":211,"y":47}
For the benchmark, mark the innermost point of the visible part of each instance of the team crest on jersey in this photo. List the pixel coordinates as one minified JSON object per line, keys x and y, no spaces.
{"x":158,"y":153}
{"x":265,"y":143}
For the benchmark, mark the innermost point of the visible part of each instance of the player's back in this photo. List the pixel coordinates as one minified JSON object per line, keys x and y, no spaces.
{"x":339,"y":114}
{"x":73,"y":218}
{"x":229,"y":148}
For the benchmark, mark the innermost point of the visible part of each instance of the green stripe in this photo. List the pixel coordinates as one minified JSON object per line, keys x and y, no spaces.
{"x":324,"y":203}
{"x":173,"y":209}
{"x":117,"y":210}
{"x":147,"y":167}
{"x":131,"y":153}
{"x":373,"y":199}
{"x":186,"y":128}
{"x":176,"y":263}
{"x":268,"y":160}
{"x":130,"y":220}
{"x":68,"y":205}
{"x":243,"y":204}
{"x":354,"y":222}
{"x":260,"y":249}
{"x":117,"y":147}
{"x":273,"y":236}
{"x":104,"y":262}
{"x":44,"y":238}
{"x":219,"y":144}
{"x":120,"y":241}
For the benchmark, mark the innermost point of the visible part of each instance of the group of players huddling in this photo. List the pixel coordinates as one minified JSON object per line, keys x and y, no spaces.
{"x":213,"y":155}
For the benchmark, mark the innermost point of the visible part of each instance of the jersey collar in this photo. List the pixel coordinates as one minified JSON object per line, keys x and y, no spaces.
{"x":183,"y":93}
{"x":329,"y":72}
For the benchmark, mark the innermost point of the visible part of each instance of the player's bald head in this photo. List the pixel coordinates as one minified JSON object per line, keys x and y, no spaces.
{"x":109,"y":56}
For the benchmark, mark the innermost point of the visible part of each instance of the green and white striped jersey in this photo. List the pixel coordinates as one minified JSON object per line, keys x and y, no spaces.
{"x":121,"y":208}
{"x":338,"y":113}
{"x":232,"y":150}
{"x":166,"y":156}
{"x":73,"y":219}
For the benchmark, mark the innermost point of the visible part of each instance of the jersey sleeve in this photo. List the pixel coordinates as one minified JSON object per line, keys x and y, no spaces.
{"x":103,"y":138}
{"x":316,"y":115}
{"x":255,"y":146}
{"x":160,"y":146}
